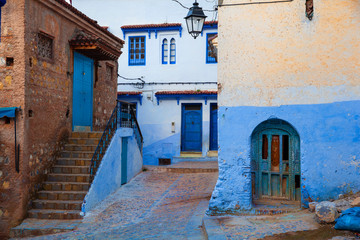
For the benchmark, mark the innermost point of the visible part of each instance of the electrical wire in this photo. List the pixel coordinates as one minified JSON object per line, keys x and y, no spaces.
{"x":169,"y":83}
{"x":205,"y":10}
{"x":131,"y":79}
{"x":250,"y":3}
{"x":136,"y":85}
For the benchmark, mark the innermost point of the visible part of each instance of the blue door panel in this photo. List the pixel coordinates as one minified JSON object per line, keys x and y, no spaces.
{"x":191,"y":136}
{"x":213,"y":127}
{"x":82,"y":91}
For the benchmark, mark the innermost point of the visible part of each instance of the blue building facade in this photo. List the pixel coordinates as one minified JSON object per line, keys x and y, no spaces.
{"x":289,"y":105}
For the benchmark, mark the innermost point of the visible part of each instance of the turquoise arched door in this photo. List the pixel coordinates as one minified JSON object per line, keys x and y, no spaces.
{"x":276,"y":161}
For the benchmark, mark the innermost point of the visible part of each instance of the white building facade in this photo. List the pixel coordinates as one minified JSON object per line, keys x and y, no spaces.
{"x":169,"y":75}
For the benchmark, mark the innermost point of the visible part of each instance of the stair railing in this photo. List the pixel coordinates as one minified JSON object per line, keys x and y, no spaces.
{"x":123,"y":115}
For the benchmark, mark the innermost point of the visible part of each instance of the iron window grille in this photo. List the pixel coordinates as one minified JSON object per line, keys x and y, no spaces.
{"x":45,"y":46}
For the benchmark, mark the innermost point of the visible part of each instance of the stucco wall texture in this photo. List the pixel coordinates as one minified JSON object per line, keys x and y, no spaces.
{"x":275,"y":63}
{"x":43,"y":90}
{"x":274,"y":51}
{"x":108,"y":176}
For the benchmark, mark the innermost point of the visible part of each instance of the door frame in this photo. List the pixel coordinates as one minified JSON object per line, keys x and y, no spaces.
{"x":81,"y":56}
{"x":183,"y":126}
{"x":276,"y":126}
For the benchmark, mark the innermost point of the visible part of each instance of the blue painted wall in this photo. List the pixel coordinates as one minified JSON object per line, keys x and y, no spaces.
{"x":329,"y":143}
{"x":108,"y":176}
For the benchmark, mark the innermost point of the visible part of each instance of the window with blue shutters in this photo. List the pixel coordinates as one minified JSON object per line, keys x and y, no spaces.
{"x":172,"y":51}
{"x":165,"y":51}
{"x":137,"y":51}
{"x":209,"y":58}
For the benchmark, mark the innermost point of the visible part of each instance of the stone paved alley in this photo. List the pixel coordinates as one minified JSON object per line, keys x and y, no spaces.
{"x":170,"y":203}
{"x":154,"y":205}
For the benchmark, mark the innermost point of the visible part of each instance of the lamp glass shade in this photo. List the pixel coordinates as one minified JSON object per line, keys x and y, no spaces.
{"x":195,"y":20}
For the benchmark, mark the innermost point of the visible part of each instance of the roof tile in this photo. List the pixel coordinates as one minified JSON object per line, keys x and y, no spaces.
{"x":152,"y":25}
{"x":129,"y":93}
{"x":187,"y":92}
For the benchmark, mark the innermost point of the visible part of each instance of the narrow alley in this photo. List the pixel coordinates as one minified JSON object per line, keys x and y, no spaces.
{"x":156,"y":204}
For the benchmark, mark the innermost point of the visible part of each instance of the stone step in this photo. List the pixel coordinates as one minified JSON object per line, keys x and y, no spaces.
{"x":32,"y":227}
{"x":193,"y":159}
{"x":57,"y":204}
{"x":61,"y":177}
{"x":66,"y":186}
{"x":71,"y":169}
{"x":61,"y":195}
{"x":54,"y":214}
{"x":73,"y":161}
{"x":86,"y":134}
{"x":187,"y":167}
{"x":84,"y":141}
{"x":76,"y":147}
{"x":76,"y":154}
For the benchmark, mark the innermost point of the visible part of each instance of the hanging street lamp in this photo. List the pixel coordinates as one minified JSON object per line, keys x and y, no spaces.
{"x":195,"y":20}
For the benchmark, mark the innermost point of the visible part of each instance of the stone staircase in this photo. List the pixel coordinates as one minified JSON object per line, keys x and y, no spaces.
{"x":67,"y":184}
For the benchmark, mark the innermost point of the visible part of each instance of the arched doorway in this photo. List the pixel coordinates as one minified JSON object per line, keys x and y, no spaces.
{"x":275,"y":161}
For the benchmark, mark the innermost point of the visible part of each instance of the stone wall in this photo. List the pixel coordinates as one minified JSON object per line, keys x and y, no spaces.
{"x":13,"y":195}
{"x":104,"y":94}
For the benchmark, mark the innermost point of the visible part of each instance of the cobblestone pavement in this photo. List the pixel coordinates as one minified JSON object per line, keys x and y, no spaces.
{"x":154,"y":205}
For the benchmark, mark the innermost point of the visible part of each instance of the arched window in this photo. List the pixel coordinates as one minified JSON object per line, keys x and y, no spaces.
{"x":165,"y":53}
{"x":172,"y":51}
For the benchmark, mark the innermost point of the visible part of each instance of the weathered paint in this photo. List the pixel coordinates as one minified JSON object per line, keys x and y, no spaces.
{"x":329,"y":147}
{"x":109,"y":175}
{"x":274,"y":62}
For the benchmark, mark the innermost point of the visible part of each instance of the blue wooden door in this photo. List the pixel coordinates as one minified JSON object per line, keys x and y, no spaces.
{"x":191,"y":127}
{"x":82,"y":93}
{"x":213,"y":127}
{"x":276,"y":164}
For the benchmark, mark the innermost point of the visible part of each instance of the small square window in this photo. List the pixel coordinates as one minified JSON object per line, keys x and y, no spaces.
{"x":137,"y":51}
{"x":9,"y":61}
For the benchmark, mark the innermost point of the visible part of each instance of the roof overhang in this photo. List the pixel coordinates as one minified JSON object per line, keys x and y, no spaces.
{"x":94,"y":47}
{"x":129,"y":96}
{"x":192,"y":95}
{"x":149,"y":28}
